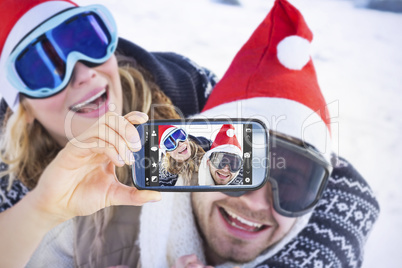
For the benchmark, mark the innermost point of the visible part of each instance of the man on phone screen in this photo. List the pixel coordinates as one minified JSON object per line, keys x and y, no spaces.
{"x":222,"y":164}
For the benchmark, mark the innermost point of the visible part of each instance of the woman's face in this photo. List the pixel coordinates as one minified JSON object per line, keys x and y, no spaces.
{"x":182,"y":152}
{"x":90,"y":93}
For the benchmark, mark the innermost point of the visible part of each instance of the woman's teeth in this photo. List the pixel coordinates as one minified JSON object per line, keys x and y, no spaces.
{"x":90,"y":104}
{"x":181,"y":151}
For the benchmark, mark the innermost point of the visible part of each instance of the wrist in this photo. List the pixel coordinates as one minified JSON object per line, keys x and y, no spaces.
{"x":42,"y":211}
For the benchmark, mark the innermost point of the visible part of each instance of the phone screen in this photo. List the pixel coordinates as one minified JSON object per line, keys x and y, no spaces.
{"x":202,"y":155}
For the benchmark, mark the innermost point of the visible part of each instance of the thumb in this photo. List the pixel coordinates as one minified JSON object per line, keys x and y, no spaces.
{"x":120,"y":194}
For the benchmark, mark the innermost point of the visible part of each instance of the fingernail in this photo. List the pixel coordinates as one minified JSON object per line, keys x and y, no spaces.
{"x":138,"y":114}
{"x":143,"y":115}
{"x":134,"y":139}
{"x":136,"y":145}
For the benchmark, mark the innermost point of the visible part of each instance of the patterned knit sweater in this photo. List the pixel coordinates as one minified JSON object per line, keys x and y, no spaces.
{"x":338,"y":228}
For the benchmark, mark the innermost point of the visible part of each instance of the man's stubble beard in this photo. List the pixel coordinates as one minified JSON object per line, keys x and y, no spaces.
{"x":213,"y":250}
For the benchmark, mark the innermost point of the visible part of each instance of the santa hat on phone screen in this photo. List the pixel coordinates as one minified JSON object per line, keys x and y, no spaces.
{"x":226,"y":141}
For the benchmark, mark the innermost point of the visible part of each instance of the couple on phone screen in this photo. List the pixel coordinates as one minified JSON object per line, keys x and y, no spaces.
{"x":188,"y":160}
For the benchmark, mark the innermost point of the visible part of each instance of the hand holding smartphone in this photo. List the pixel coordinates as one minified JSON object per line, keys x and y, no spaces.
{"x":202,"y":155}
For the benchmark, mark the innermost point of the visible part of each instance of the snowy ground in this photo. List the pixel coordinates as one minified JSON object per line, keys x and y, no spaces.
{"x":357,"y":54}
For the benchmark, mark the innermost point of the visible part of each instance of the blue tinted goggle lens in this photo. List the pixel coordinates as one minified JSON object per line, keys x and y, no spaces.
{"x":220,"y":160}
{"x":171,"y":142}
{"x":42,"y":64}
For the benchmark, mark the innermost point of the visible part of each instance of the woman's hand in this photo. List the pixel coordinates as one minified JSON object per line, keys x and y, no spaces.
{"x":189,"y":261}
{"x":81,"y":179}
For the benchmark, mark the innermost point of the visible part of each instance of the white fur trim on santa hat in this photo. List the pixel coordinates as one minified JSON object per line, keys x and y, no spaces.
{"x":282,"y":115}
{"x":293,"y":52}
{"x":25,"y":24}
{"x":226,"y":148}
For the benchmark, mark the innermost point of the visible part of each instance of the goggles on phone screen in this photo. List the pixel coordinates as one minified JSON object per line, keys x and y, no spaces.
{"x":221,"y":159}
{"x":41,"y":65}
{"x":299,"y":180}
{"x":171,"y":141}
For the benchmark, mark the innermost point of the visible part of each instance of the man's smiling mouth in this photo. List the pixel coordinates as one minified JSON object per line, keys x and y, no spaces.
{"x":223,"y":176}
{"x":241,"y":223}
{"x":91,"y":104}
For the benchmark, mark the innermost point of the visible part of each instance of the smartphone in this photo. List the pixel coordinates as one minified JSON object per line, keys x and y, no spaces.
{"x":202,"y":155}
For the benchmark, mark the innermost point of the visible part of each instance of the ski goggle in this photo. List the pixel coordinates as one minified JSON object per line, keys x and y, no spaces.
{"x":221,"y":159}
{"x":41,"y":65}
{"x":298,"y":175}
{"x":171,"y":141}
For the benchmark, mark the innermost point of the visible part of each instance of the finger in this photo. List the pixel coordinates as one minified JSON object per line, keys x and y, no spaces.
{"x":116,"y":141}
{"x":127,"y":131}
{"x":111,"y":153}
{"x":185,"y":260}
{"x":136,"y":117}
{"x":73,"y":154}
{"x":121,"y":195}
{"x":108,"y":138}
{"x":116,"y":122}
{"x":195,"y":265}
{"x":190,"y":259}
{"x":105,"y":140}
{"x":114,"y":131}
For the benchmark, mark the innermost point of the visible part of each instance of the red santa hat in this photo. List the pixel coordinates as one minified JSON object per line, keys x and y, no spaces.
{"x":18,"y":18}
{"x":272,"y":78}
{"x":164,"y":131}
{"x":226,"y":141}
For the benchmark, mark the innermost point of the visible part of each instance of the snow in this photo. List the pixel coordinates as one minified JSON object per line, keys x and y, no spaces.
{"x":358,"y":58}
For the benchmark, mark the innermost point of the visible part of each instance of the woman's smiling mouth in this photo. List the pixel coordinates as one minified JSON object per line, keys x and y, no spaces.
{"x":91,"y":104}
{"x":183,"y":150}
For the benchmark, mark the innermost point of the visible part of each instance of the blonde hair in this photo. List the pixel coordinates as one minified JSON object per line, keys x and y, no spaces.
{"x":27,"y":148}
{"x":185,"y":168}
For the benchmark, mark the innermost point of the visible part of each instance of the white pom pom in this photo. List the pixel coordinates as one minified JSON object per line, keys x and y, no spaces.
{"x":293,"y":52}
{"x":230,"y":132}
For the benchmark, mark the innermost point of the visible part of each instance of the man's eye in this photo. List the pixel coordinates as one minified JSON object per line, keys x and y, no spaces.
{"x":287,"y":180}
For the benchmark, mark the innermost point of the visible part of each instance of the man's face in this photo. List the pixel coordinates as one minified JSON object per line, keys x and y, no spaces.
{"x":239,"y":228}
{"x":221,"y":176}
